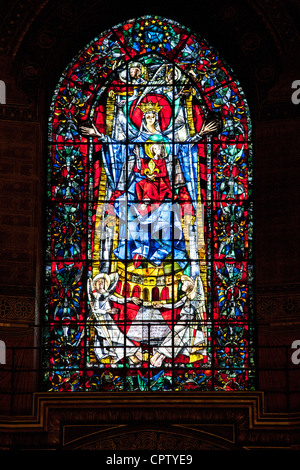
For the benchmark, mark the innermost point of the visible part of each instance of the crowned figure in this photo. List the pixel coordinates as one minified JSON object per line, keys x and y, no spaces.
{"x":148,"y":232}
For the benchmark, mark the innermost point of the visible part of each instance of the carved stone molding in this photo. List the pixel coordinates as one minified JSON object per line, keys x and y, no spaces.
{"x":153,"y":439}
{"x":16,"y":309}
{"x":278,"y":302}
{"x":121,"y":421}
{"x":17,"y":113}
{"x":279,"y":22}
{"x":16,"y":24}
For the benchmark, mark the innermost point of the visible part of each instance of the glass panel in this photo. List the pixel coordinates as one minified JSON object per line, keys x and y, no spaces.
{"x":148,"y":282}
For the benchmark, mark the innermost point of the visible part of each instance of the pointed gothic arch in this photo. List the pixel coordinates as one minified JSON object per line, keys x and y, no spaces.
{"x":150,"y":186}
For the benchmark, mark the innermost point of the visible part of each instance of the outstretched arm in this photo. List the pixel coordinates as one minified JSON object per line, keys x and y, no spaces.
{"x":210,"y":127}
{"x":91,"y":132}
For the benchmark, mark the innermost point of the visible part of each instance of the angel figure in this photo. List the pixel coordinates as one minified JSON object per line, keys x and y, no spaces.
{"x":109,"y":341}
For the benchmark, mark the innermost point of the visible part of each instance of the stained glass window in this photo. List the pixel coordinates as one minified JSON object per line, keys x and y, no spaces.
{"x":149,"y":269}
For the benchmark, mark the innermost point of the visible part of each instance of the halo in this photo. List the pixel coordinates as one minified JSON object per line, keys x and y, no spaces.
{"x":157,"y":139}
{"x":191,"y":295}
{"x":177,"y":73}
{"x":151,"y":102}
{"x":105,"y":277}
{"x":123,"y":74}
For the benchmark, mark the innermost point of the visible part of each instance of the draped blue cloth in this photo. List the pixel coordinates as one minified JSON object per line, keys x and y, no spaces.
{"x":158,"y":233}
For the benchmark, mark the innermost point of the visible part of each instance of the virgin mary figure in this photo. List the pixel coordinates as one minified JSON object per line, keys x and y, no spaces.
{"x":152,"y":189}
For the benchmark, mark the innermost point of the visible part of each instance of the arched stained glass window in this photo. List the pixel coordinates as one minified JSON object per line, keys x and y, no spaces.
{"x":149,"y":250}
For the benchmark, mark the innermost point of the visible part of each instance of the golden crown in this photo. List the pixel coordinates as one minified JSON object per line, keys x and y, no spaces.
{"x":150,"y":107}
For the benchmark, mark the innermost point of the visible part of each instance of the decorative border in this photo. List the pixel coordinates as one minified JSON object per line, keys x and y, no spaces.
{"x":17,"y":308}
{"x":66,"y":421}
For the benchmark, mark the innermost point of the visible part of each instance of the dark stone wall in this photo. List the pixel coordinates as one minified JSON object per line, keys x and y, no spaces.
{"x":260,"y":39}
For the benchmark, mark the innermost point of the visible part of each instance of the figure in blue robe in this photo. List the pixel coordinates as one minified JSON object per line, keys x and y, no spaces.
{"x":157,"y":233}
